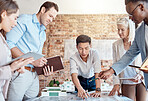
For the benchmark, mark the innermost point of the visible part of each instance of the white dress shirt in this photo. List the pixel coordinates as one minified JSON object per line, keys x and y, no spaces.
{"x":85,"y":69}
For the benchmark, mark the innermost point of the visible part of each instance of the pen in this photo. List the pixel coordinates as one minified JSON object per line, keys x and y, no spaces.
{"x":93,"y":79}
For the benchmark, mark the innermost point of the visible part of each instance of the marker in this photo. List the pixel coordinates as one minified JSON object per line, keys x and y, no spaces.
{"x":93,"y":79}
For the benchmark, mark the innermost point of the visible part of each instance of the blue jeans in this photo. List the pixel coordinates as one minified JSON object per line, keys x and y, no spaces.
{"x":90,"y":86}
{"x":24,"y":86}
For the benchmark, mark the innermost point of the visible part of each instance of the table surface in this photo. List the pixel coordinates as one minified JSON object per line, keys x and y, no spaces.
{"x":73,"y":97}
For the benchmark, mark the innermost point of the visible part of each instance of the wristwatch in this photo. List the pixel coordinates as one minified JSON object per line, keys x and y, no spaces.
{"x":98,"y":89}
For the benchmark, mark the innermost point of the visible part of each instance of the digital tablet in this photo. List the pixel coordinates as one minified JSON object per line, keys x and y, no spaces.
{"x":27,"y":55}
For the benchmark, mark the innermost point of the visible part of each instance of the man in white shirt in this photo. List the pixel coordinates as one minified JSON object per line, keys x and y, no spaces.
{"x":84,"y":67}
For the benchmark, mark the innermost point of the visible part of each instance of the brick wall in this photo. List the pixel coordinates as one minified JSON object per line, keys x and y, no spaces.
{"x":69,"y":27}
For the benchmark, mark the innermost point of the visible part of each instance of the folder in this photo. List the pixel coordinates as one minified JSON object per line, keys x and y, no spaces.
{"x":134,"y":66}
{"x":56,"y":62}
{"x":143,"y":68}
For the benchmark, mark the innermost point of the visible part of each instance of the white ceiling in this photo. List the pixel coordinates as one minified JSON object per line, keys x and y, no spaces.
{"x":76,"y":6}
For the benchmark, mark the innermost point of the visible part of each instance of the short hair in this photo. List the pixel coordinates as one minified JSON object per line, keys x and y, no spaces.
{"x":123,"y":21}
{"x":134,"y":1}
{"x":49,"y":5}
{"x":83,"y":39}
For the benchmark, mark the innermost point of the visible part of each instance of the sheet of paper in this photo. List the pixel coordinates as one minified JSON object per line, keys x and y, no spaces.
{"x":126,"y":78}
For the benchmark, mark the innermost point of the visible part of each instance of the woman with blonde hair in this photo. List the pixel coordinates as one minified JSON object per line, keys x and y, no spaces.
{"x":130,"y":80}
{"x":9,"y":12}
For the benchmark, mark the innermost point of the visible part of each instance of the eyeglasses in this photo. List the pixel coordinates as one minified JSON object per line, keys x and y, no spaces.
{"x":134,"y":10}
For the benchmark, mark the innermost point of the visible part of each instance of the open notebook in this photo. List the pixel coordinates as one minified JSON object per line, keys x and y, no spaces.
{"x":56,"y":62}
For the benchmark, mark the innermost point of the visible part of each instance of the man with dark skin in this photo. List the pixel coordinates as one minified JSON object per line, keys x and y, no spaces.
{"x":138,"y":10}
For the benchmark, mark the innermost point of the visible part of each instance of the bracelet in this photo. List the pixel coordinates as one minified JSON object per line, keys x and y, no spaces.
{"x":98,"y":89}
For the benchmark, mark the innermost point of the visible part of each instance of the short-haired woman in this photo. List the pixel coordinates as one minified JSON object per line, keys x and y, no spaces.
{"x":131,"y":88}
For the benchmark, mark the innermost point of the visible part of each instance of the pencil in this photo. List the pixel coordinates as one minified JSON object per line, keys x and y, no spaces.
{"x":93,"y":79}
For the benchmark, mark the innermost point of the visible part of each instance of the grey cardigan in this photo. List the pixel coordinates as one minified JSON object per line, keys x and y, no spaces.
{"x":118,"y":52}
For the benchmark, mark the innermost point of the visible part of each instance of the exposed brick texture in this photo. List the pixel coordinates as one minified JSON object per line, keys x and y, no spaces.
{"x":101,"y":26}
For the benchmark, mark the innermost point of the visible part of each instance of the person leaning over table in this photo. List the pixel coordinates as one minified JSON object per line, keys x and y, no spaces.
{"x":9,"y":12}
{"x":131,"y":88}
{"x":138,"y":9}
{"x":29,"y":35}
{"x":85,"y":66}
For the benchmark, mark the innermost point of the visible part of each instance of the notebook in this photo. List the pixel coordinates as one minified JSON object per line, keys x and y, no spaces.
{"x":145,"y":63}
{"x":56,"y":62}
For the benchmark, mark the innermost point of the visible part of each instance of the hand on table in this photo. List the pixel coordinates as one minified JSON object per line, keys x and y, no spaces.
{"x":82,"y":93}
{"x":114,"y":90}
{"x":95,"y":94}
